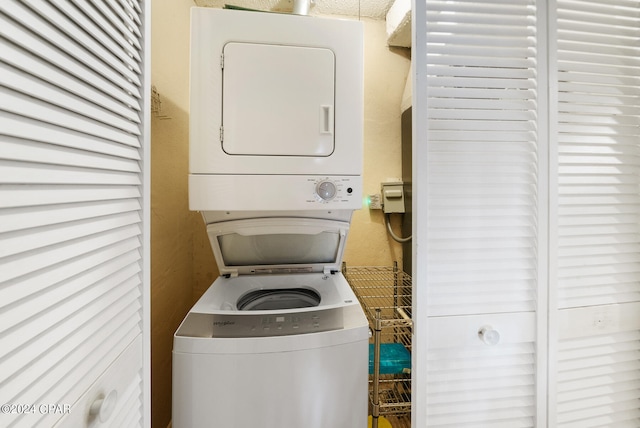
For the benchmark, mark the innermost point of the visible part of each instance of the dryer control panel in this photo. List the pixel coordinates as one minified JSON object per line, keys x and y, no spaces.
{"x":327,"y":190}
{"x":275,"y":192}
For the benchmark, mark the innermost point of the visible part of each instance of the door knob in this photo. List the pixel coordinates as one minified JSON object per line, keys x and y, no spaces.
{"x":488,"y":335}
{"x":103,"y":407}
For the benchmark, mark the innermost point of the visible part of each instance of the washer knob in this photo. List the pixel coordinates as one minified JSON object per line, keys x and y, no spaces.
{"x":326,"y":190}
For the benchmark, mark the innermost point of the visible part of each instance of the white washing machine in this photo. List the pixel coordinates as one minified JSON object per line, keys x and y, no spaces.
{"x":279,"y":340}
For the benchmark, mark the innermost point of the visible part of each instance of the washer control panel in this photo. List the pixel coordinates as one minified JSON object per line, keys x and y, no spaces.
{"x":249,"y":325}
{"x":246,"y":324}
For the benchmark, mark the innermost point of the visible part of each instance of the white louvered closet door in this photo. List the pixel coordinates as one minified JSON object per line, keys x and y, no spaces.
{"x":73,"y":212}
{"x":532,"y":214}
{"x":596,"y":358}
{"x":482,"y":213}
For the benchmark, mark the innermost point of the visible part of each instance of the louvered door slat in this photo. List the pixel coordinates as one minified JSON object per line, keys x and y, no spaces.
{"x":12,"y":196}
{"x":588,"y":82}
{"x":604,"y":18}
{"x":12,"y":220}
{"x":27,"y":151}
{"x":598,"y":53}
{"x":19,"y":172}
{"x":505,"y":116}
{"x":585,"y":34}
{"x":599,"y":387}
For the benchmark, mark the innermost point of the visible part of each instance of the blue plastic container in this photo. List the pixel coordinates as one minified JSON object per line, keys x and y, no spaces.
{"x":394,"y":358}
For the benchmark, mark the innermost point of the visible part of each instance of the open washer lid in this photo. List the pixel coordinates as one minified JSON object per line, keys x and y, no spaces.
{"x":277,"y":245}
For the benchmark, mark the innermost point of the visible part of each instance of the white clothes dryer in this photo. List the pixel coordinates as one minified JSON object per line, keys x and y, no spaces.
{"x":279,"y":340}
{"x":276,"y":102}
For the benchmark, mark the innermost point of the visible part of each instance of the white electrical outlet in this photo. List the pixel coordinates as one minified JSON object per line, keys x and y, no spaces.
{"x":375,"y":201}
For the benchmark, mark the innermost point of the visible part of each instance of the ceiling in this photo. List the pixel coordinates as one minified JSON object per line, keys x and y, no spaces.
{"x":376,"y":9}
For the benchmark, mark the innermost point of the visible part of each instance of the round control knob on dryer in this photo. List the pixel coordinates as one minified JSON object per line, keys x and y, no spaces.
{"x":326,"y":190}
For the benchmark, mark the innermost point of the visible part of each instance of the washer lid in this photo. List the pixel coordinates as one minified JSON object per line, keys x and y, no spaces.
{"x":277,"y":245}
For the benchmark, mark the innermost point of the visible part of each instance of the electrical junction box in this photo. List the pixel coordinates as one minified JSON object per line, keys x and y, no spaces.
{"x":392,"y":197}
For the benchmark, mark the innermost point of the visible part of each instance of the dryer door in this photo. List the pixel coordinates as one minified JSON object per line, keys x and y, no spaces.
{"x":277,"y":100}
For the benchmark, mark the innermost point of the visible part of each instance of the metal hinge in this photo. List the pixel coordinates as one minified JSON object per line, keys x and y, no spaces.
{"x":222,"y":60}
{"x":231,"y":274}
{"x":221,"y":134}
{"x":331,"y":270}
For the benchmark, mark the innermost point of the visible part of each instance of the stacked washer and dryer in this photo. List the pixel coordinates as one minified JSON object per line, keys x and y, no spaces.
{"x":279,"y":340}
